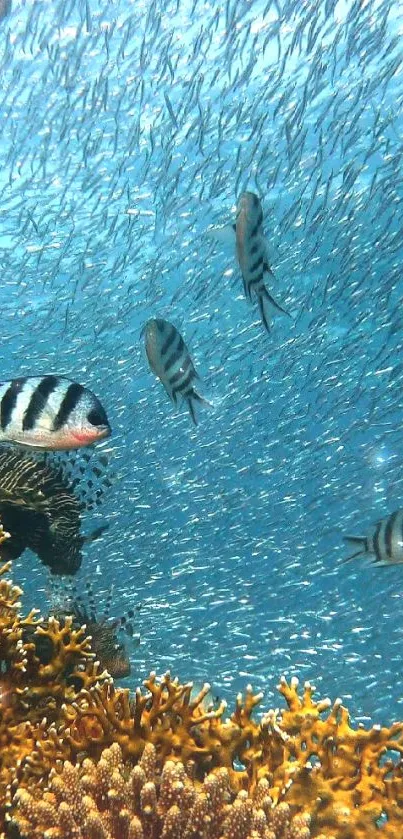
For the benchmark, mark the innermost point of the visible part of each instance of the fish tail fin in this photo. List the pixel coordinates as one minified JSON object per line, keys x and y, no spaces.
{"x":268,"y":305}
{"x":195,"y":397}
{"x":360,"y":541}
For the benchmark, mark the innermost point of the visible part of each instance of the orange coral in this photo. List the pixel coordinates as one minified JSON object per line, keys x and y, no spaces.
{"x":172,"y":764}
{"x":112,"y":800}
{"x":31,"y":690}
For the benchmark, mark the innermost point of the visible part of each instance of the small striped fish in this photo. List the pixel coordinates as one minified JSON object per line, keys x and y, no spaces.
{"x":252,"y":255}
{"x":50,"y":412}
{"x":169,"y":359}
{"x":384,"y":545}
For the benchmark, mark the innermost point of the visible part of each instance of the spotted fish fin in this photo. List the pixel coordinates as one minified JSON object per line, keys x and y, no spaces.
{"x":268,"y":306}
{"x":360,"y":541}
{"x":223,"y":235}
{"x":195,"y":397}
{"x":87,"y":473}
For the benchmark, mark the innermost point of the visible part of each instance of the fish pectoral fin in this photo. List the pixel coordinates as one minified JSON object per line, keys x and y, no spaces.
{"x":95,"y":534}
{"x":25,"y":497}
{"x":223,"y":235}
{"x":267,"y":269}
{"x":21,"y":441}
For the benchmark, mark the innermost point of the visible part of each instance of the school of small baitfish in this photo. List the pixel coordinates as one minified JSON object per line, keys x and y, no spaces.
{"x":41,"y":501}
{"x":52,"y":413}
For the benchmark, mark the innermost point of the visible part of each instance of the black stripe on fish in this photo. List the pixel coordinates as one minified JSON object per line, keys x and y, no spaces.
{"x":37,"y":401}
{"x":255,"y":229}
{"x":9,"y":401}
{"x":255,"y":281}
{"x":181,"y":388}
{"x":176,"y":355}
{"x":70,"y":400}
{"x":254,"y":248}
{"x":376,"y":542}
{"x":169,"y":341}
{"x":256,"y":265}
{"x":177,"y":376}
{"x":389,"y":528}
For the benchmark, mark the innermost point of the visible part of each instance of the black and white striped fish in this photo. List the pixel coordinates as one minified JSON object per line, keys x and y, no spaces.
{"x":384,"y":545}
{"x":252,"y":255}
{"x":50,"y":412}
{"x":169,"y":359}
{"x":251,"y":250}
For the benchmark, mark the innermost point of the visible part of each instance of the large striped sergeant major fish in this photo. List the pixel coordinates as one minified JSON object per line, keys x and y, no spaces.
{"x":384,"y":544}
{"x":50,"y":412}
{"x":170,"y":360}
{"x":251,"y":251}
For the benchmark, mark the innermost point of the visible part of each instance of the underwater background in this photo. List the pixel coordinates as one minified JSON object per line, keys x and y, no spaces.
{"x":127,"y":130}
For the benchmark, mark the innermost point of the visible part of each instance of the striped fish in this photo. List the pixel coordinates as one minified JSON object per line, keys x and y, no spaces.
{"x":169,"y":359}
{"x":251,"y":251}
{"x":384,"y":545}
{"x":50,"y":412}
{"x":42,"y":512}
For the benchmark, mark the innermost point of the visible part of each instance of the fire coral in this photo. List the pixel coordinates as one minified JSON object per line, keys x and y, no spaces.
{"x":82,"y":758}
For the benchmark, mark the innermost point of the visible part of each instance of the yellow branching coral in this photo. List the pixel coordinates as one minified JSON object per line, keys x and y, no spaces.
{"x":167,"y":716}
{"x":42,"y":665}
{"x":309,"y":756}
{"x":162,"y":763}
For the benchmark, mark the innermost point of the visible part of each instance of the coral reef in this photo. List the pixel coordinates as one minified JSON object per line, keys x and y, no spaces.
{"x":34,"y":688}
{"x":80,"y":757}
{"x":111,"y":800}
{"x":108,"y":634}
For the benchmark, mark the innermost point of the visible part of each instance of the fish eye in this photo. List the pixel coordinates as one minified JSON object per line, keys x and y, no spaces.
{"x":97,"y":416}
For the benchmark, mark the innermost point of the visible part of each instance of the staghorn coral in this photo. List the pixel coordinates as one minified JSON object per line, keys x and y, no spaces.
{"x":111,"y":799}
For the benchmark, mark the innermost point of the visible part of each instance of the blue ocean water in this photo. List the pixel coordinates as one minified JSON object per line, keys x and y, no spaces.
{"x":127,"y":130}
